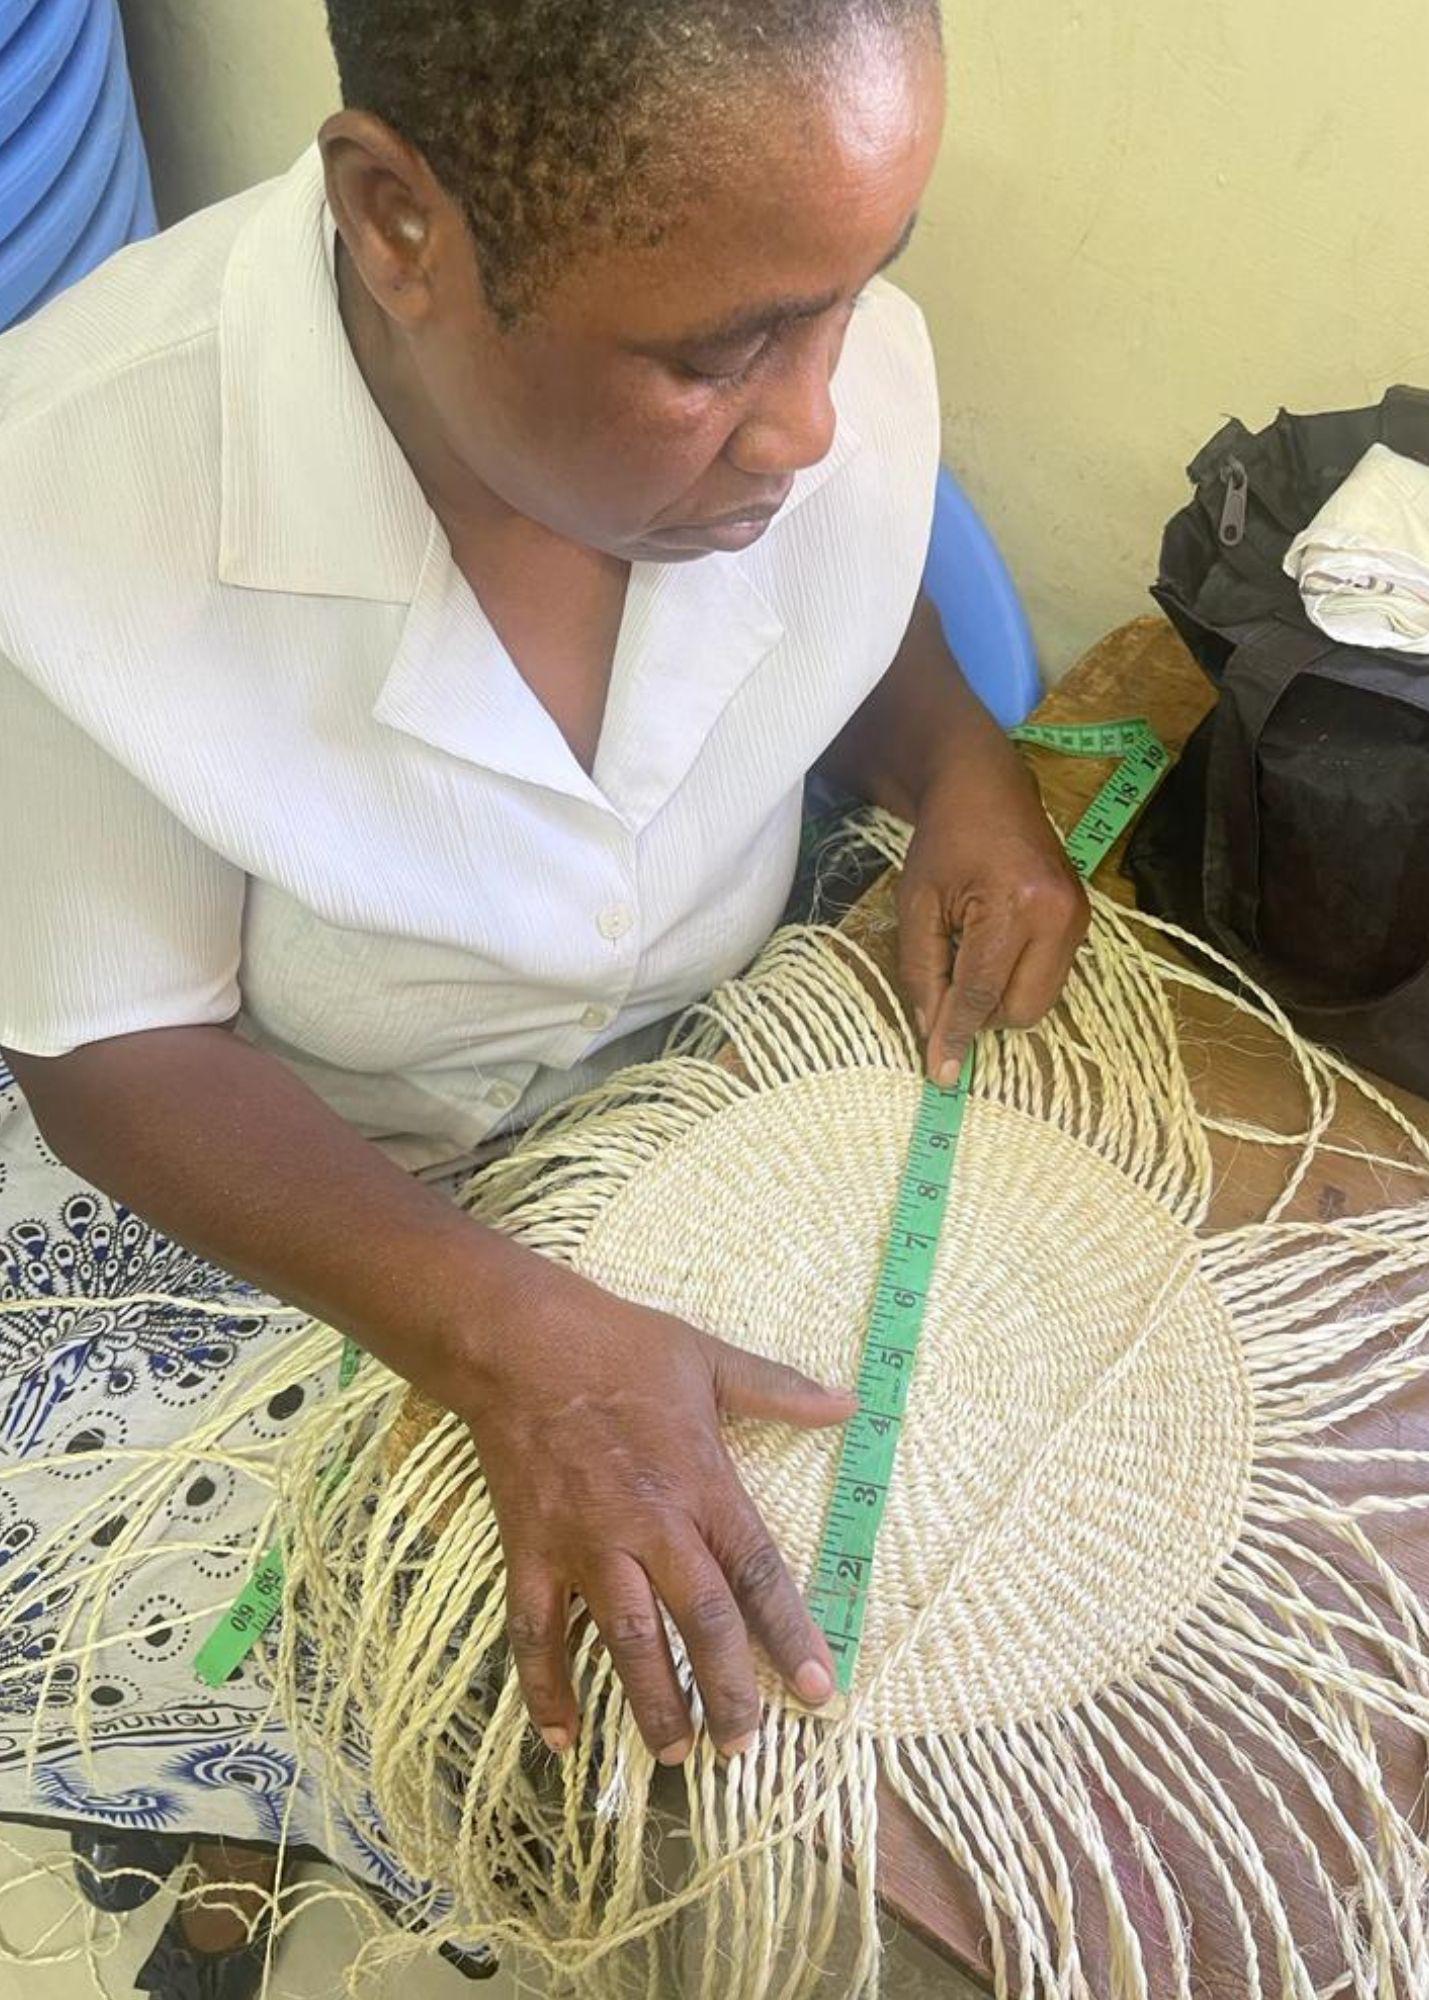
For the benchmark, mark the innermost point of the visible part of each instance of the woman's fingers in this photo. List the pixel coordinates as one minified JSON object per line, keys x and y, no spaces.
{"x":747,"y":1385}
{"x":1037,"y":978}
{"x":615,"y":1485}
{"x":536,"y":1606}
{"x":722,"y":1589}
{"x":925,"y":952}
{"x":1004,"y":980}
{"x":622,"y":1602}
{"x":703,"y":1606}
{"x":987,"y":952}
{"x":769,"y":1599}
{"x":718,"y":1593}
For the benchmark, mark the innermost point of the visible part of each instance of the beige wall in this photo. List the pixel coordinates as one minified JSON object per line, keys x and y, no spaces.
{"x":229,"y":91}
{"x":1148,"y":213}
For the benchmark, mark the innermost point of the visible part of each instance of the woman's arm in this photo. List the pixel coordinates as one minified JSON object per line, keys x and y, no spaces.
{"x":598,"y":1422}
{"x":220,"y":1146}
{"x":990,"y":911}
{"x":921,"y":727}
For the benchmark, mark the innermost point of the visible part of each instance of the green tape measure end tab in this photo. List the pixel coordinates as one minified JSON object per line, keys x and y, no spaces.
{"x":243,"y":1624}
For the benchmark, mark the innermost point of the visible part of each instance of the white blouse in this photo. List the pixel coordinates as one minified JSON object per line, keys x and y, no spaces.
{"x":261,"y":750}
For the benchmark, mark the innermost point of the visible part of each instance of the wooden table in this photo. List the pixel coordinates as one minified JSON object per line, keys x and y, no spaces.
{"x":1143,"y":669}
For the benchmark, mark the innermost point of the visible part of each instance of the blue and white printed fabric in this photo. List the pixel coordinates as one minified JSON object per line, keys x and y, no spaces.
{"x":107,"y":1371}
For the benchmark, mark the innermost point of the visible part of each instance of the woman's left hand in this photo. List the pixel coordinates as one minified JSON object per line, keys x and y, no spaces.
{"x":990,"y":911}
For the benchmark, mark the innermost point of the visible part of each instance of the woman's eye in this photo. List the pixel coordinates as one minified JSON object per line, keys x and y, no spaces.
{"x":726,"y":374}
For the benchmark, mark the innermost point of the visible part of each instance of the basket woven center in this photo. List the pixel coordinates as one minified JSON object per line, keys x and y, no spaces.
{"x":1079,"y":1431}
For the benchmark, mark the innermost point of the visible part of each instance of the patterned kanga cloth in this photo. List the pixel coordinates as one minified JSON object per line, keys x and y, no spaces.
{"x":106,"y":1369}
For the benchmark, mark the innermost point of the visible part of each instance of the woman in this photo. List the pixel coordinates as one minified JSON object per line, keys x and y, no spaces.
{"x":425,"y":584}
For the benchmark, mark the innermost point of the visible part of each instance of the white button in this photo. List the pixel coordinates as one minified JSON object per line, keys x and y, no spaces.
{"x":614,"y":921}
{"x":502,"y":1095}
{"x":597,"y":1017}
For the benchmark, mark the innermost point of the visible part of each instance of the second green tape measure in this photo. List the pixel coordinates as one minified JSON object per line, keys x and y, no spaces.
{"x":261,"y":1598}
{"x":838,"y":1597}
{"x":843,"y":1569}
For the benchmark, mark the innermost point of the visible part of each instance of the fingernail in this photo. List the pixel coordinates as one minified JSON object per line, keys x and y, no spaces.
{"x":740,"y":1744}
{"x":813,"y":1684}
{"x":675,"y":1753}
{"x":947,"y":1073}
{"x":557,"y":1740}
{"x":920,"y":1022}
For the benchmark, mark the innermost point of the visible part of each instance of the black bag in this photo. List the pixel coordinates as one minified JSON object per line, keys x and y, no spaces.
{"x":1294,"y":832}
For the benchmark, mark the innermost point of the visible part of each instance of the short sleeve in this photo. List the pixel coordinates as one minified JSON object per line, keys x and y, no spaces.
{"x":113,"y":917}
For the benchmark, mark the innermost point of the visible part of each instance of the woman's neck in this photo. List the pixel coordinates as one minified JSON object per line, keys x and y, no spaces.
{"x":459,"y":500}
{"x":555,"y":606}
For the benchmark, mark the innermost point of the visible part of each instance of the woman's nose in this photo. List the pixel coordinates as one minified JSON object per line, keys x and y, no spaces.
{"x":792,"y":420}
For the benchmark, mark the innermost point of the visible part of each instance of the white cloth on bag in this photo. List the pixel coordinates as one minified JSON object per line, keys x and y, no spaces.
{"x":263,"y":748}
{"x":1363,"y":563}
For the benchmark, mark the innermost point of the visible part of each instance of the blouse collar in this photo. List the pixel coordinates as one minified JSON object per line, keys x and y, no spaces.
{"x":318,"y":499}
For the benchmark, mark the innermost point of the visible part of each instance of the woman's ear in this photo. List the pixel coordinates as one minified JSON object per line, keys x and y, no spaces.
{"x":390,"y":211}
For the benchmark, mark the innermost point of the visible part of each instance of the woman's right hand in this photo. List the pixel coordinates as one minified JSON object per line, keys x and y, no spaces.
{"x":597,"y":1421}
{"x":598,"y":1424}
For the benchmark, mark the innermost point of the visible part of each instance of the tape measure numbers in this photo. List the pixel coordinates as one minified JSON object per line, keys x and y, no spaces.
{"x":839,"y":1593}
{"x":1143,"y":761}
{"x":261,"y":1598}
{"x":843,"y":1569}
{"x":838,"y":1597}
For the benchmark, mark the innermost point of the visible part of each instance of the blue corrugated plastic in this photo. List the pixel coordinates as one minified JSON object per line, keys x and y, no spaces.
{"x":31,"y":159}
{"x":32,"y":58}
{"x":74,"y":183}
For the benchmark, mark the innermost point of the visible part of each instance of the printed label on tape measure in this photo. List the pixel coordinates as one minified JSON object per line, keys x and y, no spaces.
{"x":261,"y":1598}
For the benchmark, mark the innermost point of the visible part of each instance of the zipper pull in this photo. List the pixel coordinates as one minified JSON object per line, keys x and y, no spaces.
{"x":1237,"y":500}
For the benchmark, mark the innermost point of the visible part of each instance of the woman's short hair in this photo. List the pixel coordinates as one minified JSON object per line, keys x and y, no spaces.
{"x":556,"y":120}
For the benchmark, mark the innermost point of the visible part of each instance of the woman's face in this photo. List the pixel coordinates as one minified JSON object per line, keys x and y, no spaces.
{"x":659,"y":400}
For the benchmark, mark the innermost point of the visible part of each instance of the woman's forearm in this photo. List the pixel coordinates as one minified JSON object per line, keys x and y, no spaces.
{"x":922,"y":726}
{"x":597,"y":1421}
{"x":216,"y":1144}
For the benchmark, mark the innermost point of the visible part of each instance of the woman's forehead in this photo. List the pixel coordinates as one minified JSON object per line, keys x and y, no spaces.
{"x":788,"y":214}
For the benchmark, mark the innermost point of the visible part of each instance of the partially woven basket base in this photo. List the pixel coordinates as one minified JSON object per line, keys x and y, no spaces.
{"x":1133,"y":1653}
{"x":1079,"y":1429}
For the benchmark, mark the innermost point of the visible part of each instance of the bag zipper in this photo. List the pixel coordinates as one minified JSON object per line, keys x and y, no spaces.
{"x":1237,"y":500}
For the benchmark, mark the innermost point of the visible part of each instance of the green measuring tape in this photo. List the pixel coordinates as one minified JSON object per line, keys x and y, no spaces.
{"x":1143,"y":761}
{"x":843,"y":1570}
{"x":261,"y":1598}
{"x":838,"y":1597}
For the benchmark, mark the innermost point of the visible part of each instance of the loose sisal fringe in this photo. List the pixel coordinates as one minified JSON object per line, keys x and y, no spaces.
{"x":1086,"y":1723}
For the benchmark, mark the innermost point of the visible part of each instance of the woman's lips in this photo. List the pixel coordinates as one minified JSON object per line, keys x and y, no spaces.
{"x":723,"y":531}
{"x":738,"y":533}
